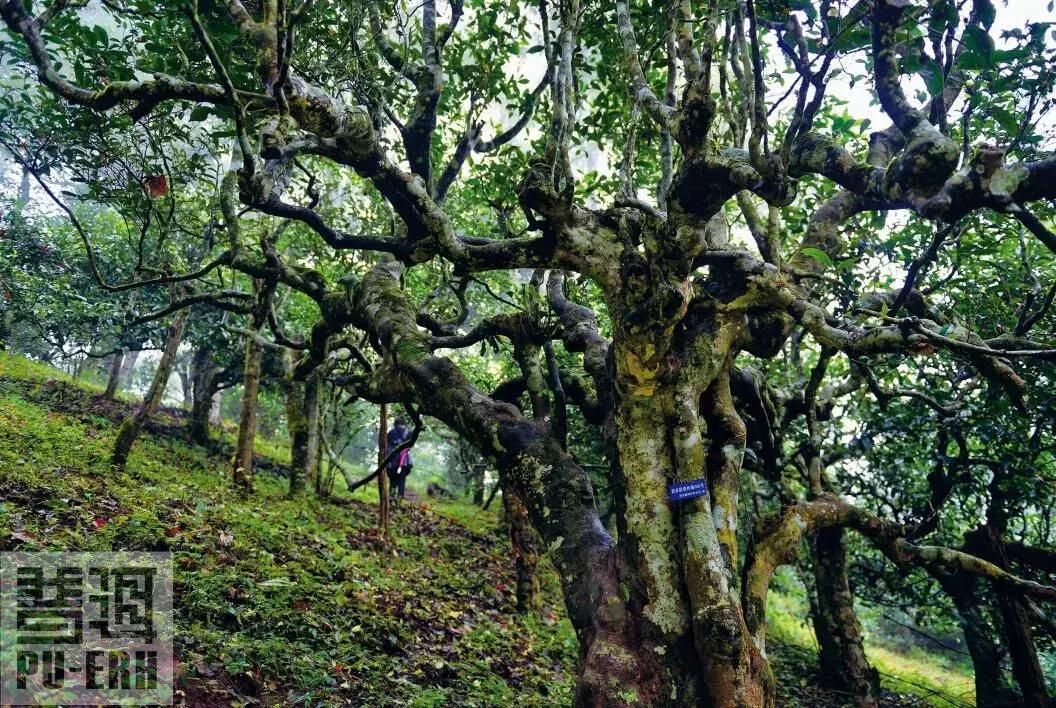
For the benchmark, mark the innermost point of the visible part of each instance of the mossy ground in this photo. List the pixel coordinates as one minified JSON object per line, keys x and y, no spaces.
{"x":296,"y":601}
{"x":908,"y":676}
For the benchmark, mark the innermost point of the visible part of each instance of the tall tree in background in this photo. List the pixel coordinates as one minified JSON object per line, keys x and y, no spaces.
{"x":132,"y":426}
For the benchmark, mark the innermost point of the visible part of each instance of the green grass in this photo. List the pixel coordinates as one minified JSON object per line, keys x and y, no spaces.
{"x":287,"y":601}
{"x":294,"y":601}
{"x":21,"y":369}
{"x":932,"y":676}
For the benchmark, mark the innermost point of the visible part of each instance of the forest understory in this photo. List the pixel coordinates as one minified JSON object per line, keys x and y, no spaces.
{"x":284,"y":601}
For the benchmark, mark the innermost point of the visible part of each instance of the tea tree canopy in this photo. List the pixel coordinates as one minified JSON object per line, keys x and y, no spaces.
{"x":668,"y":225}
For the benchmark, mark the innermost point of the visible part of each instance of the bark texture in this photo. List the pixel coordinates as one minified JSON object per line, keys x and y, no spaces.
{"x":113,"y":379}
{"x":312,"y":445}
{"x":841,"y":653}
{"x":203,"y":383}
{"x":525,"y":545}
{"x":132,"y":426}
{"x":242,"y":464}
{"x":296,"y":425}
{"x":994,"y":684}
{"x":1026,"y":667}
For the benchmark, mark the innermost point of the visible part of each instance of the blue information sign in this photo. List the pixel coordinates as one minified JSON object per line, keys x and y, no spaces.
{"x":680,"y":491}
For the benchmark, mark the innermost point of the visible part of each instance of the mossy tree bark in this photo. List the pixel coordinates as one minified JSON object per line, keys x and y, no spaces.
{"x":296,"y":424}
{"x":204,"y":386}
{"x":667,"y":613}
{"x":132,"y":426}
{"x":114,"y":375}
{"x":312,"y":445}
{"x":651,"y":631}
{"x":525,"y":545}
{"x":242,"y":463}
{"x":844,"y":665}
{"x":987,"y":542}
{"x":993,"y":684}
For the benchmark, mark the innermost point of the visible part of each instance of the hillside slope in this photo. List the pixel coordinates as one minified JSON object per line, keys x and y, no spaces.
{"x":295,"y":602}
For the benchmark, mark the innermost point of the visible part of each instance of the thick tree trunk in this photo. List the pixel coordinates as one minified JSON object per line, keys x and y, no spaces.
{"x":114,"y":376}
{"x":841,"y":654}
{"x":242,"y":464}
{"x":132,"y":426}
{"x":684,"y":631}
{"x":296,"y":425}
{"x":993,"y":685}
{"x":658,"y":616}
{"x":203,"y":383}
{"x":525,"y":545}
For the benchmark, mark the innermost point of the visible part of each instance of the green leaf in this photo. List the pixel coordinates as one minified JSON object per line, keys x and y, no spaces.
{"x":931,"y":72}
{"x":1008,"y":121}
{"x":819,"y":255}
{"x":978,"y":45}
{"x":808,"y":8}
{"x":276,"y":583}
{"x":986,"y":11}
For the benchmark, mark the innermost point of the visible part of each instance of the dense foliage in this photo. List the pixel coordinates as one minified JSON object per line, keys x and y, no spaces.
{"x":801,"y":251}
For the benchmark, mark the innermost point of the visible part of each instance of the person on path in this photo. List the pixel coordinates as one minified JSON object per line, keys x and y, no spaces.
{"x":399,"y":466}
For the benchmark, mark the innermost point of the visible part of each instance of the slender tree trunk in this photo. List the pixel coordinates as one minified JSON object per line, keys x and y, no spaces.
{"x":127,"y":368}
{"x":525,"y":545}
{"x":1026,"y":668}
{"x":23,"y":188}
{"x":114,"y":377}
{"x":478,"y":484}
{"x":844,"y":665}
{"x":5,"y":328}
{"x":296,"y":424}
{"x":312,"y":412}
{"x":215,"y":409}
{"x":132,"y":426}
{"x":242,"y":464}
{"x":993,"y":685}
{"x":186,"y":375}
{"x":383,"y":475}
{"x":203,"y":383}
